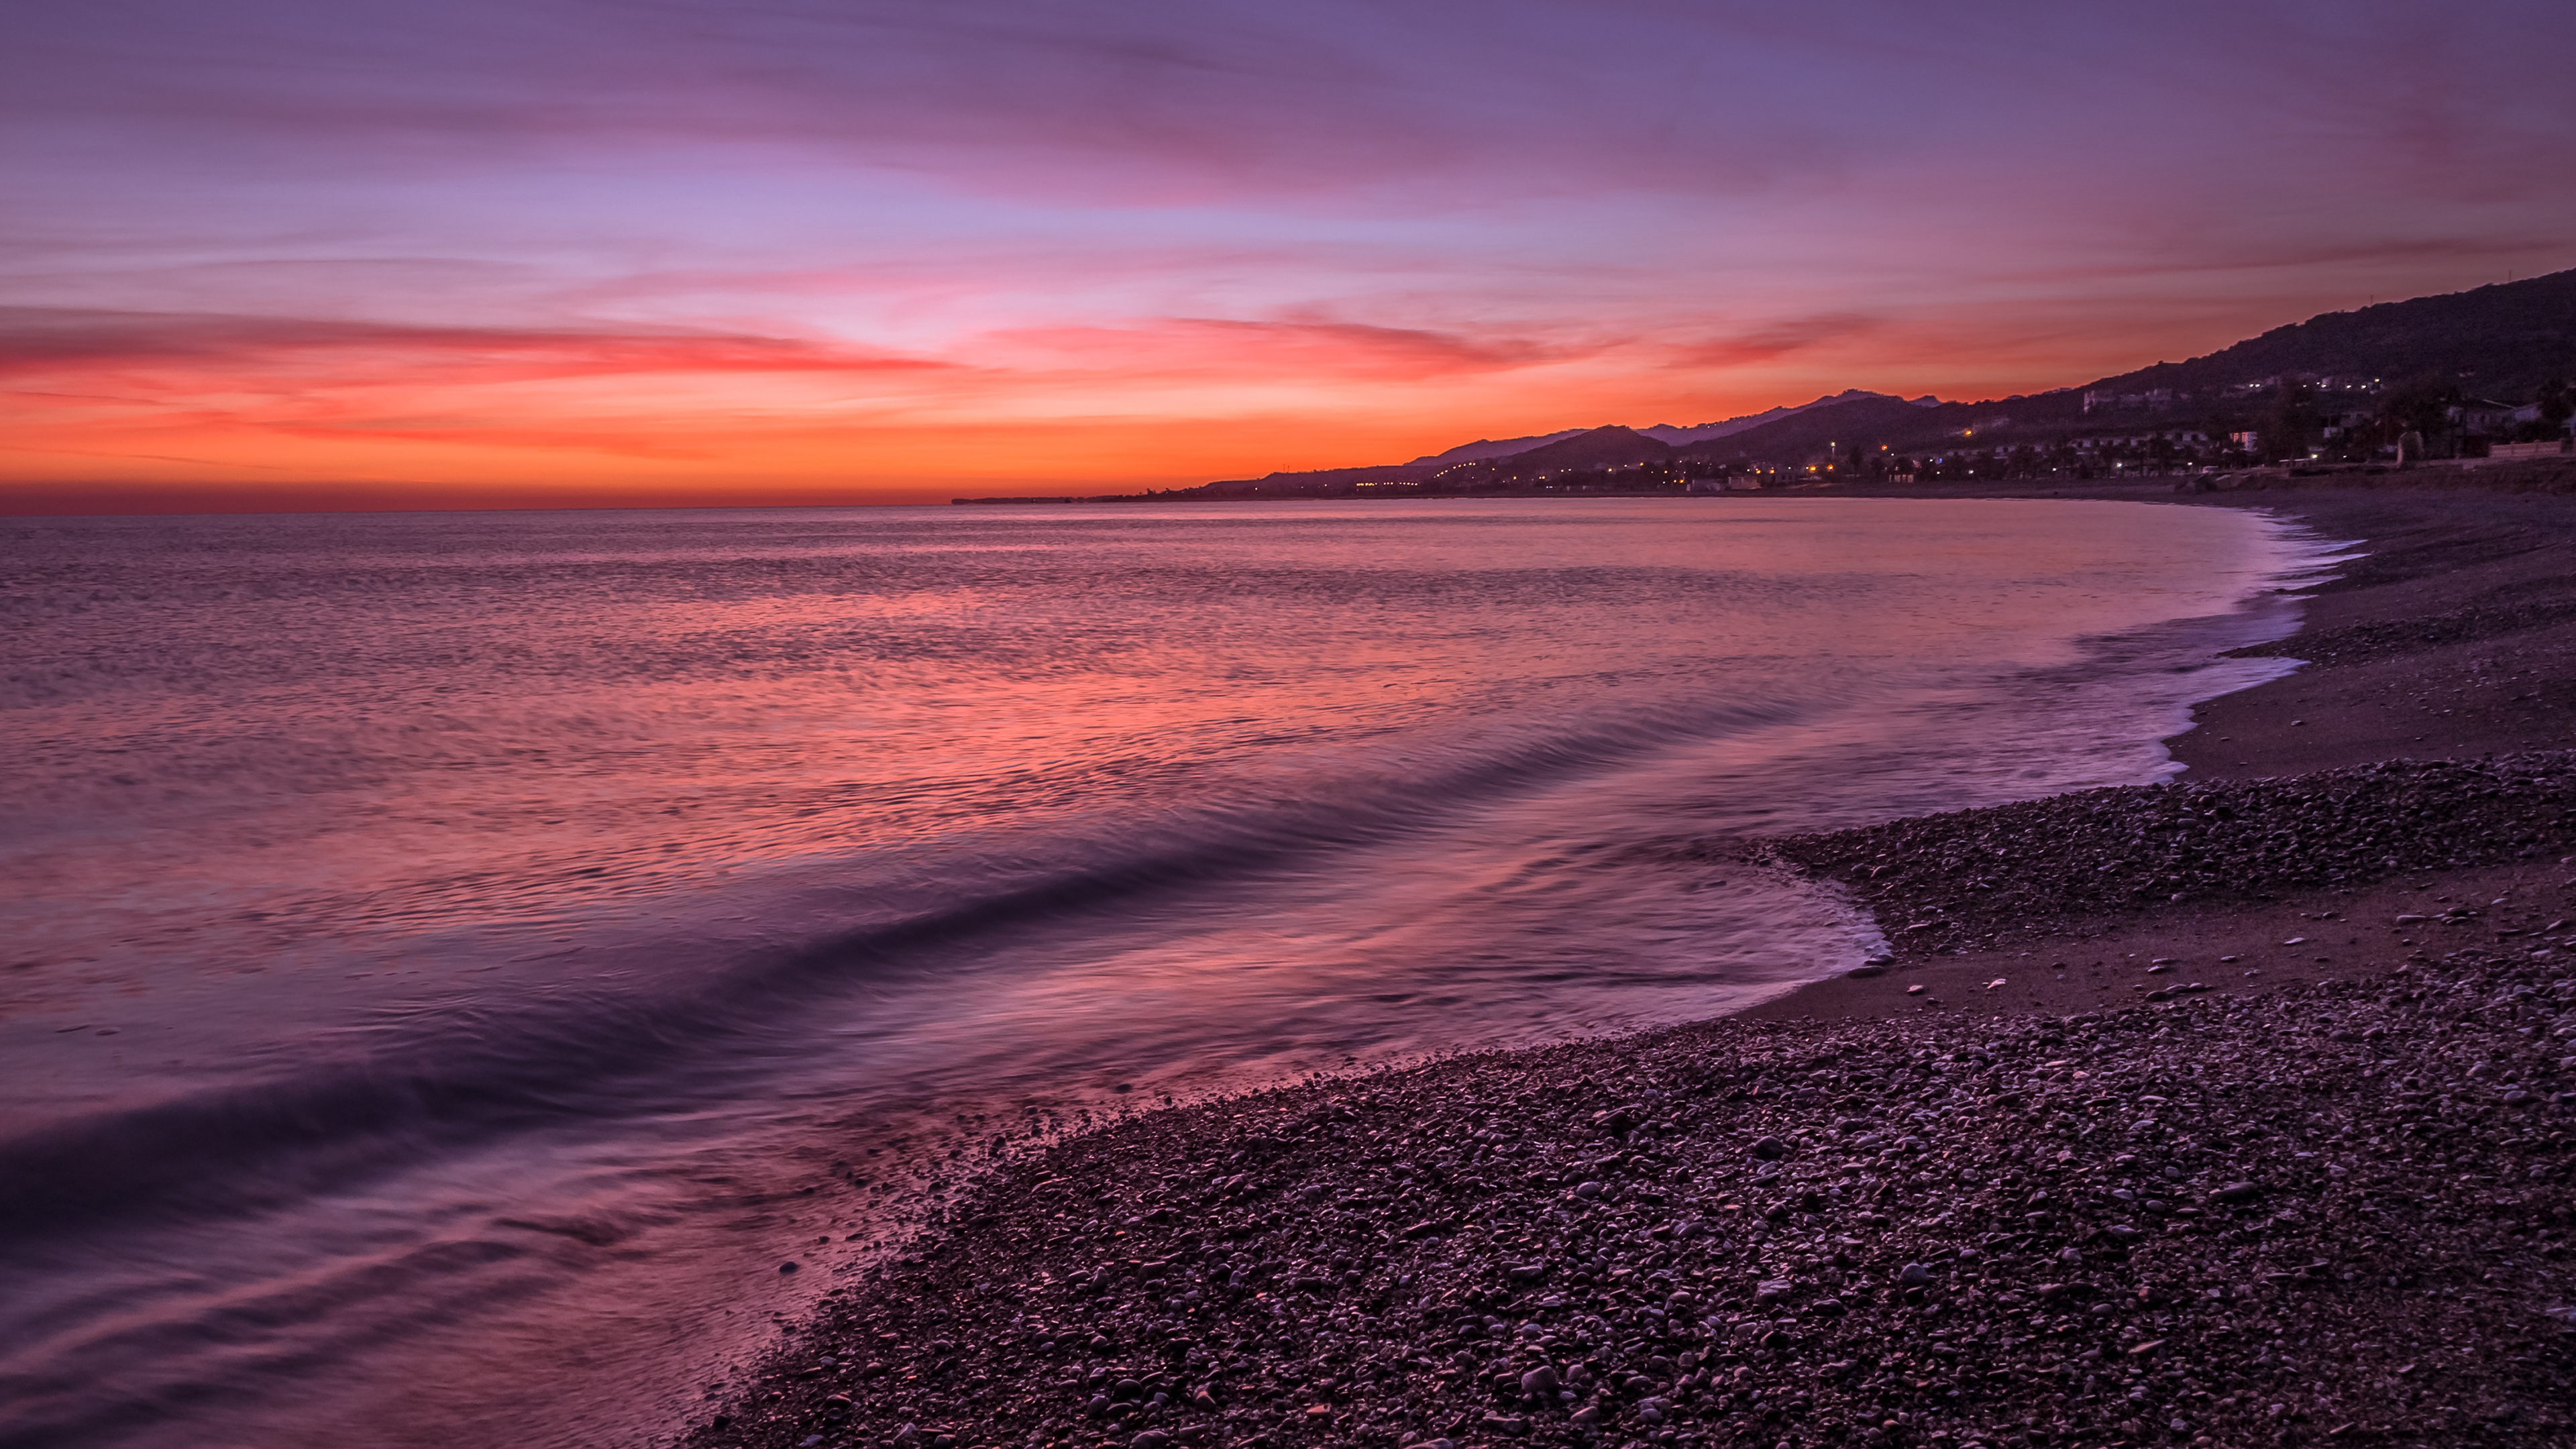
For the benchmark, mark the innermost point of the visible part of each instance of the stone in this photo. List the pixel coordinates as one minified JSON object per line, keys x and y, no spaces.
{"x":1346,"y":1307}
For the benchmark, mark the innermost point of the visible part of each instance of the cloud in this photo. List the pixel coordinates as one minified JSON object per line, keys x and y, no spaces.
{"x":1778,"y":340}
{"x":51,"y":340}
{"x":1285,"y":349}
{"x":1126,"y":103}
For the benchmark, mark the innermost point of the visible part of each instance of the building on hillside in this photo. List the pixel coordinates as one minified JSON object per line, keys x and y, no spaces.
{"x":2484,"y":417}
{"x":2154,"y":399}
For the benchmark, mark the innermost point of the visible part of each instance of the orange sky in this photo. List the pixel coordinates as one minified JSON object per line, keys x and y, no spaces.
{"x":286,"y":254}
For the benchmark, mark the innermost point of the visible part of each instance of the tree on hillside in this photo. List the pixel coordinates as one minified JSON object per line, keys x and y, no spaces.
{"x":2289,"y":427}
{"x":2557,"y":405}
{"x":2421,"y":406}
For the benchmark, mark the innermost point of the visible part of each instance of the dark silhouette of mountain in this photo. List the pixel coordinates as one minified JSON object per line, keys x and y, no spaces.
{"x":1867,"y":420}
{"x":1484,"y":449}
{"x":1710,"y":432}
{"x":2506,"y":339}
{"x":1608,"y":447}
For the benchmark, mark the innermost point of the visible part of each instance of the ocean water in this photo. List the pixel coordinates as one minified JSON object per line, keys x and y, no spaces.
{"x":450,"y":961}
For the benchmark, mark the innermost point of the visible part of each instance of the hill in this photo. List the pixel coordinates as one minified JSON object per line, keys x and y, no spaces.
{"x":2504,"y":340}
{"x":1711,"y":432}
{"x":1484,"y":449}
{"x":1868,"y":419}
{"x":1609,"y":447}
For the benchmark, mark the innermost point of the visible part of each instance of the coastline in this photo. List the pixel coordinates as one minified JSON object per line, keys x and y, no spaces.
{"x":1866,"y":1213}
{"x":2451,"y":637}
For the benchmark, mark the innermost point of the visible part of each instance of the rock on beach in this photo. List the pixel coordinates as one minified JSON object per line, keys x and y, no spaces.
{"x":2042,"y":869}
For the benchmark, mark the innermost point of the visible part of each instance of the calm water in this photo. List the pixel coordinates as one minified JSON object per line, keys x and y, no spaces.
{"x":446,"y":955}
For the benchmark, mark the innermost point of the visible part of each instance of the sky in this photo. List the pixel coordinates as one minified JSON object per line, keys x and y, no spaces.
{"x":357,"y":253}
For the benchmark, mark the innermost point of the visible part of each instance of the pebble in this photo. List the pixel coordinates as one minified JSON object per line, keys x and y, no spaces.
{"x":2013,"y":871}
{"x":2327,"y":1182}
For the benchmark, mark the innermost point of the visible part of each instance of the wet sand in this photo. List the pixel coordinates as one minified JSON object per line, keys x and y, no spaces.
{"x":2093,"y":1182}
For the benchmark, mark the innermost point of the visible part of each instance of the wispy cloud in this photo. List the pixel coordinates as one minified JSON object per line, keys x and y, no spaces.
{"x":43,"y":340}
{"x":1274,"y":349}
{"x":1774,"y":340}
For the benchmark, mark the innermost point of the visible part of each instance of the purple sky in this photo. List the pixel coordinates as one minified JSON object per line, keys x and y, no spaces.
{"x":793,"y":249}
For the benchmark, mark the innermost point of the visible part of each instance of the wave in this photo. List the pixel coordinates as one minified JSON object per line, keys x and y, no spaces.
{"x":395,"y":1094}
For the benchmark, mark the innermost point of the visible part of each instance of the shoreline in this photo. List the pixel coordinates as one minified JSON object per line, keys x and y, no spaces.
{"x":2452,"y":637}
{"x":2113,"y":1199}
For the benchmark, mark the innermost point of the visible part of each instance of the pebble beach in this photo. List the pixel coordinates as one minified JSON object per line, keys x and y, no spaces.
{"x":2228,"y":1111}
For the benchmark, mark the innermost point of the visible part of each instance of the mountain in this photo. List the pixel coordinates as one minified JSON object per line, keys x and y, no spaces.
{"x":2504,"y":340}
{"x":1865,"y":419}
{"x":1711,"y":432}
{"x":1608,"y":447}
{"x":1484,"y":448}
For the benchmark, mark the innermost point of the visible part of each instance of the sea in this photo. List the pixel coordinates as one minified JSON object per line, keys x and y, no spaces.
{"x":451,"y":962}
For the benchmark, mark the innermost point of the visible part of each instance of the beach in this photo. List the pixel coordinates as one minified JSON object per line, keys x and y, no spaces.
{"x":502,"y":1061}
{"x":2228,"y":1111}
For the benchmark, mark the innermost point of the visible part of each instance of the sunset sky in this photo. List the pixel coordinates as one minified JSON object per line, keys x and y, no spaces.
{"x":290,"y":253}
